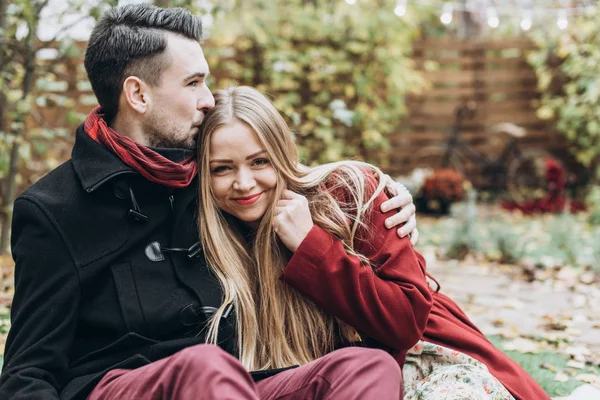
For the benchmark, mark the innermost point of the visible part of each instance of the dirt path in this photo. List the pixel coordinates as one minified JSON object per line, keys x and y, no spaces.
{"x":501,"y":302}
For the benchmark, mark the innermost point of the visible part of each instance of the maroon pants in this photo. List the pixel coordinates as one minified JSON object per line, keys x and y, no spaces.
{"x":207,"y":372}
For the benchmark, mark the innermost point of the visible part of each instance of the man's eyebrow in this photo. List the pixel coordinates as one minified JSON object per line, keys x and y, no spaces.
{"x":247,"y":158}
{"x":200,"y":75}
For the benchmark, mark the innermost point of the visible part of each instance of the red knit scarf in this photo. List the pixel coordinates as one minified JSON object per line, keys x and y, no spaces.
{"x":146,"y":161}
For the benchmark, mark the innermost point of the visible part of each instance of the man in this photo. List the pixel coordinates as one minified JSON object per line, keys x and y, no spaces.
{"x":111,"y":290}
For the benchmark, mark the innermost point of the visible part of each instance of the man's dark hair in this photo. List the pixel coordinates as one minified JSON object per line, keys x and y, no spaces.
{"x":131,"y":41}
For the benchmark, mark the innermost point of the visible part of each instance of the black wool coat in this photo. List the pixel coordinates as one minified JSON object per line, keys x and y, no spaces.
{"x":108,"y":275}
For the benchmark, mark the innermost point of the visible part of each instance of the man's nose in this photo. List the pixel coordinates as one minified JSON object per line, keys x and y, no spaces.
{"x":206,"y":101}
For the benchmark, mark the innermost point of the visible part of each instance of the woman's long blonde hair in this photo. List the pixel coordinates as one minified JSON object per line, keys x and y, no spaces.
{"x":276,"y":326}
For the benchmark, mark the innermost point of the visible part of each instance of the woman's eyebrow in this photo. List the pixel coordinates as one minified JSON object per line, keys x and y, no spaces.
{"x":247,"y":158}
{"x":255,"y":154}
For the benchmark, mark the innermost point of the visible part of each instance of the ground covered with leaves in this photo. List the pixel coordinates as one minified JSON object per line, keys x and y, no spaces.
{"x":531,"y":283}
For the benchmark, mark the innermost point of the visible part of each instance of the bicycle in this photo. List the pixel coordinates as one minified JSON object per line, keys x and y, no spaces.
{"x":522,"y":172}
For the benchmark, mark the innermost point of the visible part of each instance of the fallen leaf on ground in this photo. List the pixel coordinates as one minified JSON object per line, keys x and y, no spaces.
{"x":498,"y":323}
{"x":554,"y":326}
{"x":549,"y":367}
{"x":579,"y":353}
{"x":589,"y":378}
{"x":576,"y":364}
{"x":561,"y":377}
{"x":513,"y":303}
{"x":522,"y":345}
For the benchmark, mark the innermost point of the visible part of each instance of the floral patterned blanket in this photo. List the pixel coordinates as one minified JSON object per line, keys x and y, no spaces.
{"x":434,"y":372}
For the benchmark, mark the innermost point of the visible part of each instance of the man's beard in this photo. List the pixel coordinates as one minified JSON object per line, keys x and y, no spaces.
{"x":158,"y":140}
{"x":161,"y":135}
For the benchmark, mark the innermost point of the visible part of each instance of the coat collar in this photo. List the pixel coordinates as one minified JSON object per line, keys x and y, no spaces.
{"x":94,"y":164}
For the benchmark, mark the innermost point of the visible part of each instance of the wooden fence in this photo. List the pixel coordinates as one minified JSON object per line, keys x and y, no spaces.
{"x":494,"y":74}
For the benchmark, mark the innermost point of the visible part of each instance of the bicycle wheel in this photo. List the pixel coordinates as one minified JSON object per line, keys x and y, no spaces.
{"x":434,"y":157}
{"x":526,"y":175}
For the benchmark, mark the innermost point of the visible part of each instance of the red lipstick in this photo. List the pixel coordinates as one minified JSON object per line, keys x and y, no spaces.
{"x":246,"y":201}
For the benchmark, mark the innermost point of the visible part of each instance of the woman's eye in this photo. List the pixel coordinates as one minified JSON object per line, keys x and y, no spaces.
{"x":261,"y":161}
{"x":220,"y":169}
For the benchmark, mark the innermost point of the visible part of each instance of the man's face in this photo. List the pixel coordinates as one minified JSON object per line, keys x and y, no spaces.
{"x":180,"y":101}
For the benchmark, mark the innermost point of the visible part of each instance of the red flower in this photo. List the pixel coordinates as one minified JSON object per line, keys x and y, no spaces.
{"x":444,"y":184}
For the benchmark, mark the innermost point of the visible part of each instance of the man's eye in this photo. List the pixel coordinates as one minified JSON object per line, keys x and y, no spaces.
{"x":193,"y":83}
{"x":261,"y":161}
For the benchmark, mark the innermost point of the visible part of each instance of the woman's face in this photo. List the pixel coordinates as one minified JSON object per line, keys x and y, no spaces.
{"x":243,"y":179}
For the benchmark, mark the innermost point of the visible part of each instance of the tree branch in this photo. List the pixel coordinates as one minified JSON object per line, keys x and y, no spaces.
{"x":63,"y":30}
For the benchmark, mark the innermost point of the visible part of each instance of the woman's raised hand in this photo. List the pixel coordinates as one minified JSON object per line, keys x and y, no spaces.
{"x":292,"y":219}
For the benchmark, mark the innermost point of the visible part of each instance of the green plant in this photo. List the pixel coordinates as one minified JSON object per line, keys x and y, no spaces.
{"x":568,"y":70}
{"x":509,"y":247}
{"x":465,"y":237}
{"x":593,"y":202}
{"x":564,"y":238}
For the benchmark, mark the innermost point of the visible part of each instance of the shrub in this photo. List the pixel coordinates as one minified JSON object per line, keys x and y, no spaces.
{"x":568,"y":70}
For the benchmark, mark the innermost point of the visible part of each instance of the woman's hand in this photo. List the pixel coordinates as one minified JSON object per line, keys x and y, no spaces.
{"x":292,"y":219}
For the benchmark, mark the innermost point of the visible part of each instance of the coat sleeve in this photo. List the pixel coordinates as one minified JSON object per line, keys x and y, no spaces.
{"x":44,"y":308}
{"x":389,"y":301}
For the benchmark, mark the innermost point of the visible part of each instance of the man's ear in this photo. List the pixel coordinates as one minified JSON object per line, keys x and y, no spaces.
{"x":137,"y":94}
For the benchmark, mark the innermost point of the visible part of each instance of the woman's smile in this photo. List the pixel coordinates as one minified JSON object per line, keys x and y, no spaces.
{"x":248,"y":200}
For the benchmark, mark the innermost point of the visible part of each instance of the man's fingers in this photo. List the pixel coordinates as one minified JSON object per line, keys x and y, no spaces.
{"x":398,"y":201}
{"x":402,"y":216}
{"x":414,"y":236}
{"x":408,"y":227}
{"x":390,"y":184}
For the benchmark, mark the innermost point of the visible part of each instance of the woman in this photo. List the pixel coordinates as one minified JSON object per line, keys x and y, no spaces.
{"x":304,"y":258}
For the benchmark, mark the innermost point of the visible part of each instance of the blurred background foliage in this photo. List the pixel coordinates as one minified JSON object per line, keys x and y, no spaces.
{"x":340,"y":74}
{"x":25,"y":72}
{"x":568,"y":70}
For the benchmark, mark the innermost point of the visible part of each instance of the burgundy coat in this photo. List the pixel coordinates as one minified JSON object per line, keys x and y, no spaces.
{"x":394,"y":304}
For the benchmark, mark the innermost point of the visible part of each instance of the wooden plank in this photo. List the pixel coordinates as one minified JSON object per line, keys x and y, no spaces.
{"x":471,"y":138}
{"x":453,"y":77}
{"x":485,"y":62}
{"x":408,"y":134}
{"x":522,"y":44}
{"x":442,"y":110}
{"x":462,"y":45}
{"x":529,"y":90}
{"x":440,"y":120}
{"x":491,"y":77}
{"x":428,"y":105}
{"x":524,"y":74}
{"x":443,"y":44}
